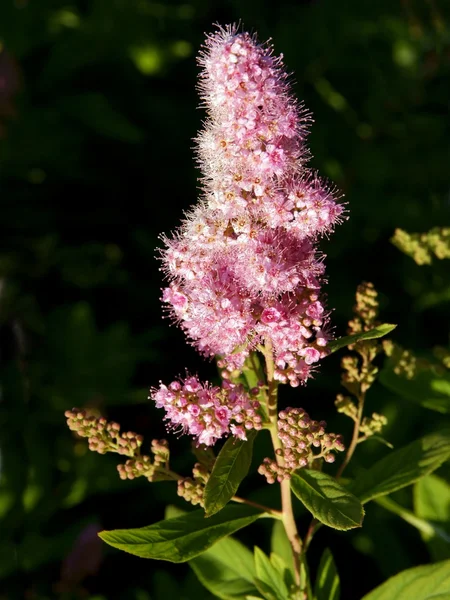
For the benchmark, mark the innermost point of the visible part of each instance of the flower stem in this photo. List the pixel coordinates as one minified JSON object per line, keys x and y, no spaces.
{"x":286,"y":499}
{"x":271,"y":511}
{"x":355,"y":436}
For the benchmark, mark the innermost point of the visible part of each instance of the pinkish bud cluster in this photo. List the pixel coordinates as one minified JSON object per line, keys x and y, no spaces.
{"x":103,"y":436}
{"x":303,"y":441}
{"x":144,"y":466}
{"x":243,"y":266}
{"x":208,"y":412}
{"x":137,"y":467}
{"x":192,"y":488}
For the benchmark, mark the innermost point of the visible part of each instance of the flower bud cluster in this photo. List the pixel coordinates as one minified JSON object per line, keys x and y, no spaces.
{"x":303,"y":441}
{"x":192,"y":488}
{"x":443,"y":355}
{"x":144,"y":466}
{"x":346,"y":406}
{"x":406,"y":364}
{"x":421,"y":246}
{"x":368,"y":426}
{"x":366,"y":309}
{"x":243,"y":267}
{"x":208,"y":412}
{"x":357,"y":377}
{"x":360,"y":373}
{"x":103,"y":436}
{"x":372,"y":426}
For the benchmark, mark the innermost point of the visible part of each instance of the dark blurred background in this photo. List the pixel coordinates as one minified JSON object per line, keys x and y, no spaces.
{"x":98,"y":110}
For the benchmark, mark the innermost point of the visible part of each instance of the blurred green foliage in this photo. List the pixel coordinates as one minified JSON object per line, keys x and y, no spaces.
{"x":97,"y":116}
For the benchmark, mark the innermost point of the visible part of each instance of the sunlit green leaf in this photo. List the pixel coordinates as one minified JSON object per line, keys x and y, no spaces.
{"x":402,"y":467}
{"x":430,"y":582}
{"x":231,"y":466}
{"x":280,"y":544}
{"x":226,"y":570}
{"x":432,"y":503}
{"x":327,"y":500}
{"x":373,"y":334}
{"x":181,"y":538}
{"x":327,"y":586}
{"x":426,"y":388}
{"x":270,"y":581}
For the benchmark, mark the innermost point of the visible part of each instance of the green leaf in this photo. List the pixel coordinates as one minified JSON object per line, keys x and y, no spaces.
{"x":432,"y":499}
{"x":231,"y":466}
{"x":427,"y":388}
{"x":430,"y":582}
{"x":421,"y":525}
{"x":327,"y":586}
{"x":270,"y":581}
{"x":252,"y":370}
{"x":280,"y":544}
{"x":182,"y":538}
{"x":284,"y":568}
{"x":403,"y":467}
{"x":432,"y":503}
{"x":373,"y":334}
{"x":327,"y":500}
{"x":226,"y":570}
{"x":305,"y":575}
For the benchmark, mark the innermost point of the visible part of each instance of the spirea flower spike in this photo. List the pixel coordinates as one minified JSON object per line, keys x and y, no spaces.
{"x":243,"y":268}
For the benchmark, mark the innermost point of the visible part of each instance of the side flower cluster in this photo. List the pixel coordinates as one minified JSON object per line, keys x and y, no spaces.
{"x":104,"y":436}
{"x":208,"y":412}
{"x":192,"y":489}
{"x":243,"y":267}
{"x":303,"y":441}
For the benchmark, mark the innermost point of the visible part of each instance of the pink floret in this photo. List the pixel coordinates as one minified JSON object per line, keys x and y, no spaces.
{"x":207,"y":412}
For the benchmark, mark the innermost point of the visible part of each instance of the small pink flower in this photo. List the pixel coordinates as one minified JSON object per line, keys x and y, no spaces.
{"x":270,"y":315}
{"x":207,"y":412}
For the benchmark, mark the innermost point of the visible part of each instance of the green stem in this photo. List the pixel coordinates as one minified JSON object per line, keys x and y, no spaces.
{"x":286,"y":498}
{"x":271,"y":511}
{"x":314,"y":526}
{"x":355,"y":436}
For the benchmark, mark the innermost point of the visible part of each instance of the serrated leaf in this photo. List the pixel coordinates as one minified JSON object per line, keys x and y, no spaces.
{"x":226,"y":569}
{"x":430,"y":582}
{"x":432,"y":502}
{"x":327,"y":586}
{"x":219,"y":581}
{"x":373,"y":334}
{"x":270,"y":581}
{"x":182,"y":538}
{"x":403,"y":467}
{"x":327,"y":500}
{"x":230,"y":468}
